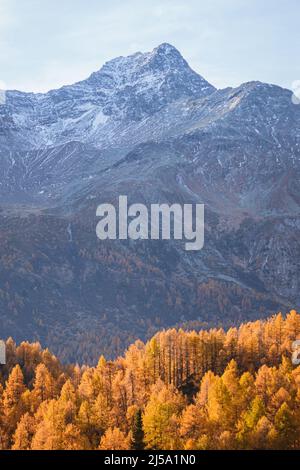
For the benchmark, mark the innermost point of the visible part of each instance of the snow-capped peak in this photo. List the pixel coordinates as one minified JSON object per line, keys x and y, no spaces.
{"x":152,"y":70}
{"x":125,"y":91}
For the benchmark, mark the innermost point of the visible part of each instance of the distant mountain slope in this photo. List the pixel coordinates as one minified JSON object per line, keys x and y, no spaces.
{"x":149,"y":127}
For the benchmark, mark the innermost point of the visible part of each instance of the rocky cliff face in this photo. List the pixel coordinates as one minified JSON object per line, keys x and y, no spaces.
{"x":149,"y":127}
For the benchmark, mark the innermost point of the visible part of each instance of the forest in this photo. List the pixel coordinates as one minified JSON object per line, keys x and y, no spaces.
{"x":212,"y":389}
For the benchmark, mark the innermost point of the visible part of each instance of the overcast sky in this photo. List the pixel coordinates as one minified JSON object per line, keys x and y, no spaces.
{"x":45,"y":44}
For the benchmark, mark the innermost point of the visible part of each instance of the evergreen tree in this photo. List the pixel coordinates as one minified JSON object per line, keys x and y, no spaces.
{"x":137,"y":440}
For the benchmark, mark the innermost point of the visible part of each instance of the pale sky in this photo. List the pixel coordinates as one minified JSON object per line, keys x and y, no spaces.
{"x":45,"y":44}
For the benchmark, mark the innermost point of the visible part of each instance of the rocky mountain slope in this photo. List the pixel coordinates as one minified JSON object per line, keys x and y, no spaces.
{"x":149,"y":127}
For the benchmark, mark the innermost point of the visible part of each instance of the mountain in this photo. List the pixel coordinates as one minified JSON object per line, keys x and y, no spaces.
{"x":97,"y":110}
{"x":149,"y":127}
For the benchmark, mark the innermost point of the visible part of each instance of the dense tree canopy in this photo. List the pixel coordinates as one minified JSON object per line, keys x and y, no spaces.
{"x":181,"y":390}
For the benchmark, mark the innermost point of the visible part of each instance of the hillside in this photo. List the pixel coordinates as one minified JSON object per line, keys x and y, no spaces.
{"x":180,"y":390}
{"x":149,"y":127}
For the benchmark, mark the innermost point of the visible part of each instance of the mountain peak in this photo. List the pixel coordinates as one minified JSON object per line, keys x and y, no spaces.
{"x":166,"y":48}
{"x":162,"y":74}
{"x":165,"y":57}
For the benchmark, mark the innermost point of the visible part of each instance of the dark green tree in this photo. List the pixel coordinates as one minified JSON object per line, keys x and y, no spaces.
{"x":137,"y":440}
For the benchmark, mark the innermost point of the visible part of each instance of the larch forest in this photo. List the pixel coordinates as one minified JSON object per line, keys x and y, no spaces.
{"x":208,"y":389}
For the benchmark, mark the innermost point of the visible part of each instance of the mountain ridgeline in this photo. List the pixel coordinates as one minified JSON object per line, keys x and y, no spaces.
{"x":149,"y":127}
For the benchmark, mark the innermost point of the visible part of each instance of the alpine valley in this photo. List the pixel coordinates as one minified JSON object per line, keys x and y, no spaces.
{"x":149,"y":127}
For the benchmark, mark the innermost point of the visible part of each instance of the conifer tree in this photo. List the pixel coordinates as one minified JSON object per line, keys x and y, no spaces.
{"x":114,"y":439}
{"x":137,"y":440}
{"x":43,"y":388}
{"x":164,"y":405}
{"x":24,"y":433}
{"x":13,"y":406}
{"x":286,"y":427}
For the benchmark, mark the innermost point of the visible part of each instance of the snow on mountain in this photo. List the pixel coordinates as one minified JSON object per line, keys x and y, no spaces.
{"x":150,"y":127}
{"x":122,"y":93}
